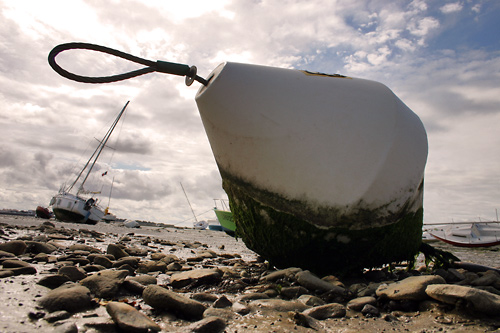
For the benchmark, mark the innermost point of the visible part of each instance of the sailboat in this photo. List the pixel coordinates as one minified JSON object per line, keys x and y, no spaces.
{"x":82,"y":207}
{"x":200,"y":225}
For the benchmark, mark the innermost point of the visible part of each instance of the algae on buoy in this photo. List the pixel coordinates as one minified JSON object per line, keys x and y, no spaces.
{"x":324,"y":172}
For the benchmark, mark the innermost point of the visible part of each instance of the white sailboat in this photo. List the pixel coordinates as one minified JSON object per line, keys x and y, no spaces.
{"x":82,"y":207}
{"x":201,"y":225}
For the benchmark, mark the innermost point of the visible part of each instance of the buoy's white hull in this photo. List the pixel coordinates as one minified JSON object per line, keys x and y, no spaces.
{"x":329,"y":142}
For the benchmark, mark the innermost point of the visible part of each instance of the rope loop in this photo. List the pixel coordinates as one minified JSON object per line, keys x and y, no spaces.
{"x":151,"y":66}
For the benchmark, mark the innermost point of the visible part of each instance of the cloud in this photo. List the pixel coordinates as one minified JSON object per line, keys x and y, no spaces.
{"x":49,"y":123}
{"x":451,"y":8}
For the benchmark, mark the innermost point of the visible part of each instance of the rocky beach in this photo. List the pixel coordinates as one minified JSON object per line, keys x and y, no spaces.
{"x":63,"y":277}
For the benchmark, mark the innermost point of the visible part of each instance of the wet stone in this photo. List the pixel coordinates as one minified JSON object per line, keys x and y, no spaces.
{"x":357,"y":304}
{"x":131,"y":261}
{"x":5,"y":254}
{"x":241,"y":308}
{"x":29,"y":270}
{"x":151,"y":266}
{"x":164,"y":299}
{"x":195,"y":277}
{"x":6,"y":273}
{"x":103,"y":261}
{"x":412,"y":288}
{"x":281,"y":274}
{"x":16,"y":247}
{"x":66,"y":328}
{"x":208,"y":325}
{"x":279,"y":305}
{"x":224,"y":313}
{"x":57,"y":316}
{"x":143,"y":279}
{"x":311,"y":300}
{"x":69,"y":297}
{"x":331,"y":310}
{"x":130,"y":319}
{"x":116,"y":251}
{"x":370,"y":311}
{"x":314,"y":283}
{"x":83,"y":247}
{"x":293,"y":292}
{"x":252,"y":296}
{"x":222,"y":302}
{"x":479,"y":300}
{"x":105,"y":283}
{"x":14,"y":263}
{"x":204,"y":297}
{"x":39,"y":247}
{"x":53,"y":281}
{"x":73,"y":273}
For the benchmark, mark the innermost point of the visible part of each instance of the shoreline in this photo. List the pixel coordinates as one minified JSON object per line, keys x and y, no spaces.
{"x":237,"y":273}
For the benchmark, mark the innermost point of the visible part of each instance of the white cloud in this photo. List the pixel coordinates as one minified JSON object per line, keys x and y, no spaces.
{"x":451,"y":8}
{"x":47,"y":121}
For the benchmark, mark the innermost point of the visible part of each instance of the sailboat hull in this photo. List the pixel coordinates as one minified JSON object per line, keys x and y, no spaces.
{"x":70,"y":208}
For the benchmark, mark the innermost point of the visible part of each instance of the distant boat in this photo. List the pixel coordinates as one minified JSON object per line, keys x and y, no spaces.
{"x":468,"y":234}
{"x":131,"y":224}
{"x":225,"y":217}
{"x":214,"y":225}
{"x":201,"y":225}
{"x":43,"y":213}
{"x":428,"y":238}
{"x":82,"y":207}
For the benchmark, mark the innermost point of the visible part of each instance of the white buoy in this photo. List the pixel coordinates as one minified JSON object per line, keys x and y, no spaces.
{"x":333,"y":152}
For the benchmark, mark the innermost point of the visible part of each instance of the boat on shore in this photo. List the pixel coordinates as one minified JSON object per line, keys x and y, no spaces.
{"x":82,"y":207}
{"x":468,"y":234}
{"x":225,"y":217}
{"x":43,"y":213}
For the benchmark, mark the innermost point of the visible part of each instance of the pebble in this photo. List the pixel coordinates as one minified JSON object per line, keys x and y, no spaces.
{"x":411,"y":288}
{"x":72,"y":272}
{"x":105,"y":283}
{"x":68,"y":297}
{"x":213,"y":290}
{"x":116,"y":251}
{"x":164,"y":299}
{"x":195,"y":277}
{"x":331,"y":310}
{"x":480,"y":300}
{"x":53,"y":281}
{"x":16,"y":247}
{"x":208,"y":325}
{"x":129,"y":319}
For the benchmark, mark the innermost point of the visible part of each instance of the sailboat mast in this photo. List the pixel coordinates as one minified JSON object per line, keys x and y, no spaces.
{"x":104,"y":141}
{"x":111,"y":191}
{"x":189,"y":203}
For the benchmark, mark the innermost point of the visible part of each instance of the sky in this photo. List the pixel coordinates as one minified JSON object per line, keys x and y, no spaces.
{"x":442,"y":58}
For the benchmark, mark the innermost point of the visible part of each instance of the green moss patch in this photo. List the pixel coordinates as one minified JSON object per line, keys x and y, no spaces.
{"x":287,"y":239}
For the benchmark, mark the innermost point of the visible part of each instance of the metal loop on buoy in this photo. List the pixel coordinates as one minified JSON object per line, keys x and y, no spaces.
{"x":151,"y":66}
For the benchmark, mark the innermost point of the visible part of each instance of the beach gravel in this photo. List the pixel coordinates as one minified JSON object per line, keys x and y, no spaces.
{"x":105,"y":278}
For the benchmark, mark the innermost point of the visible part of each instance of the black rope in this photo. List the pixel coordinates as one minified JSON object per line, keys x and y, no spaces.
{"x":152,"y":66}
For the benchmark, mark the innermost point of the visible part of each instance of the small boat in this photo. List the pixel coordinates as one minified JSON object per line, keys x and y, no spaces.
{"x":43,"y":213}
{"x":225,"y":217}
{"x":131,"y":224}
{"x":469,"y":234}
{"x":428,"y":238}
{"x":82,"y":207}
{"x":200,"y":225}
{"x":214,"y":225}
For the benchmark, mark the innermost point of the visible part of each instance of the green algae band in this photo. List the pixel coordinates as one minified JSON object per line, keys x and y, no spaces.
{"x":322,"y":171}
